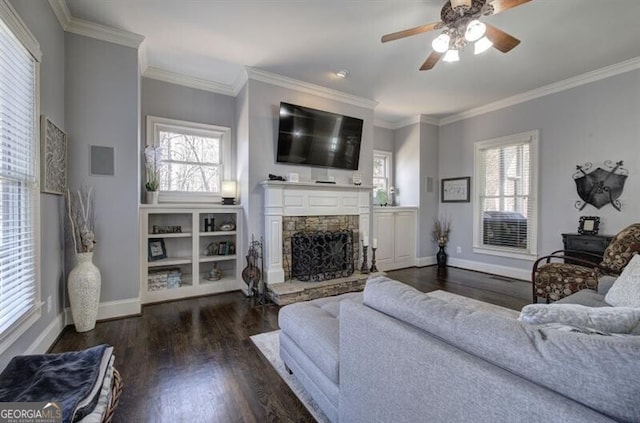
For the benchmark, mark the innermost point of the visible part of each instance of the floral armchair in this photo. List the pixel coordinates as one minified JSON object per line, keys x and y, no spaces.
{"x":554,"y":280}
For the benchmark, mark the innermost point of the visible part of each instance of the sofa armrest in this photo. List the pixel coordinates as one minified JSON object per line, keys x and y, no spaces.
{"x":605,"y":283}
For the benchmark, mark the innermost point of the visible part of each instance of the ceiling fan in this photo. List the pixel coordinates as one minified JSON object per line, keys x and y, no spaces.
{"x":460,"y":22}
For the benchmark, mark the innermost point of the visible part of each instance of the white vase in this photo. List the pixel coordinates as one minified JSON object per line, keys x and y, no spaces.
{"x":84,"y":292}
{"x":152,"y":197}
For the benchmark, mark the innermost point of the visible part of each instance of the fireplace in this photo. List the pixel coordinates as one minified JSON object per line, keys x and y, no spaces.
{"x":292,"y":208}
{"x":322,"y":255}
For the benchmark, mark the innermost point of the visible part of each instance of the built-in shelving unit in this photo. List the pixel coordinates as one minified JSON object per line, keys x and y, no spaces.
{"x":190,"y":253}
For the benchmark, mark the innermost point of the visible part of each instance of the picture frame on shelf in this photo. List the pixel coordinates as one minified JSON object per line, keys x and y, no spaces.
{"x":588,"y":225}
{"x":455,"y":190}
{"x":157,"y":249}
{"x":53,"y":157}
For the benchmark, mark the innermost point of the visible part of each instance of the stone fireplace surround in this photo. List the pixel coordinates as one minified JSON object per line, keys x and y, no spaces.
{"x":331,"y":206}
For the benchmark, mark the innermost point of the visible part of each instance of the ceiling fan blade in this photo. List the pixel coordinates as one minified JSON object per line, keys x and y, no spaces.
{"x":502,"y":5}
{"x":431,"y":61}
{"x":409,"y":32}
{"x":500,"y":39}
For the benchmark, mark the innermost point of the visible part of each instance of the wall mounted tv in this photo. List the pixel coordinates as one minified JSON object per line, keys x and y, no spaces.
{"x":317,"y":138}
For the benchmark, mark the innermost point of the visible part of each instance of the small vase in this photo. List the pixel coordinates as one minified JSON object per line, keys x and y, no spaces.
{"x":152,"y":197}
{"x":84,"y":292}
{"x":441,"y":257}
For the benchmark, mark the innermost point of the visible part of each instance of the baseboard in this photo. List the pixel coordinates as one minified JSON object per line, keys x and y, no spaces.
{"x":111,"y":310}
{"x":43,"y":342}
{"x":510,"y":272}
{"x":425,"y":261}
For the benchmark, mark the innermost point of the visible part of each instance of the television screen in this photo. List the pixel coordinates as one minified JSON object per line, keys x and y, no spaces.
{"x":317,"y":138}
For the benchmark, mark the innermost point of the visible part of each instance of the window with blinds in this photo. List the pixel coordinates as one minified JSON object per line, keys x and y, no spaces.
{"x":19,"y":288}
{"x":382,"y":171}
{"x":505,"y":213}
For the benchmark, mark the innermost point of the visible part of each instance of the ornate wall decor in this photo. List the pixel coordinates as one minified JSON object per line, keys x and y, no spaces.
{"x":600,"y":187}
{"x":53,"y":158}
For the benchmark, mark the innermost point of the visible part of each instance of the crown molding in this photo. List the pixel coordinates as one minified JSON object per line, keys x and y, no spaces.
{"x":143,"y":60}
{"x":62,"y":12}
{"x":384,"y":124}
{"x":240,"y":82}
{"x":12,"y":19}
{"x":306,"y":87}
{"x":576,"y":81}
{"x":91,"y":29}
{"x":188,"y":81}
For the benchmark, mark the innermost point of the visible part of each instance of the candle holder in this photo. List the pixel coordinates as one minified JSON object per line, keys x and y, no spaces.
{"x":365,"y":267}
{"x":373,"y":269}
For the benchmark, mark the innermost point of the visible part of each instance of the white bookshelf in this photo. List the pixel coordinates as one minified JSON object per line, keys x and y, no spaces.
{"x":187,"y":250}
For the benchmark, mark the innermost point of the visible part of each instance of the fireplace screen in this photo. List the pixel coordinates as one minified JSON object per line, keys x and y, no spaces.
{"x":320,"y":256}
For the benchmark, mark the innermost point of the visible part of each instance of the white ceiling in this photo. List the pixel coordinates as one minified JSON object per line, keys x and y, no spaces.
{"x":308,"y":40}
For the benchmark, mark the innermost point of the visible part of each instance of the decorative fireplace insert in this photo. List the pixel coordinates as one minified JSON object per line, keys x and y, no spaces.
{"x":322,"y":255}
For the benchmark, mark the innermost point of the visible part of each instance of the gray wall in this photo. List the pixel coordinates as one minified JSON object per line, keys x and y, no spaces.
{"x":102,"y":95}
{"x":590,"y":123}
{"x":383,"y":139}
{"x":407,"y":165}
{"x":263,"y":114}
{"x":162,"y":99}
{"x":40,"y":19}
{"x":428,"y":198}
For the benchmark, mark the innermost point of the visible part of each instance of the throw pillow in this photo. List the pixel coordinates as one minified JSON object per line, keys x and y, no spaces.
{"x":605,"y":319}
{"x":625,"y":291}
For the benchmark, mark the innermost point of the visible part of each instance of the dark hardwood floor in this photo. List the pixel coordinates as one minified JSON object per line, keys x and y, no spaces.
{"x":192,"y":360}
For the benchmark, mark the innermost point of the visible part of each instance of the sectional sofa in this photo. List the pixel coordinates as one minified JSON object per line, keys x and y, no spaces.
{"x":394,"y":354}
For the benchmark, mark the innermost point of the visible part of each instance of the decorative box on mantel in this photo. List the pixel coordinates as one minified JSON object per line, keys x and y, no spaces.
{"x":282,"y":199}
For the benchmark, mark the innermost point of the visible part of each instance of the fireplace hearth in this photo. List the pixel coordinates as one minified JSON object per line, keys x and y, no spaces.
{"x":322,"y":255}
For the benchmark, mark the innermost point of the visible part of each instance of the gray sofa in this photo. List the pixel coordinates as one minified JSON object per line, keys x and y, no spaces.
{"x":394,"y":354}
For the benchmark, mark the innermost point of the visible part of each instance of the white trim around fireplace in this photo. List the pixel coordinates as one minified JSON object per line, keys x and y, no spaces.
{"x":307,"y":199}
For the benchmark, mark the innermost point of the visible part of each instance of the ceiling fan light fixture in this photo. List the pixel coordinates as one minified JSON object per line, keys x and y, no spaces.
{"x":342,"y":73}
{"x":451,"y":56}
{"x":461,"y":6}
{"x":475,"y":30}
{"x":482,"y":45}
{"x":441,"y":43}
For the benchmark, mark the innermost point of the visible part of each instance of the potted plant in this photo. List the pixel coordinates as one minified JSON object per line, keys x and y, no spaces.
{"x":152,"y":164}
{"x":441,"y":229}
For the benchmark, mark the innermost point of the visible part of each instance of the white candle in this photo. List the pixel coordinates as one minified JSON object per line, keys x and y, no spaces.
{"x":365,"y":241}
{"x":375,"y":243}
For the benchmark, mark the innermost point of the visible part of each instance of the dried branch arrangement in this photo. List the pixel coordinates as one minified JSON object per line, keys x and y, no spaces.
{"x":153,"y":165}
{"x":80,"y":209}
{"x":441,"y":229}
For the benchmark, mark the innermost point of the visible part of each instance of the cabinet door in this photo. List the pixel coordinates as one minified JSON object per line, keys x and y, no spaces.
{"x":405,"y":245}
{"x":384,"y":232}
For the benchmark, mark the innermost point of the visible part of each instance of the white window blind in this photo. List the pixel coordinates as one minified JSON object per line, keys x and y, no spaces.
{"x":505,"y":217}
{"x":18,"y":181}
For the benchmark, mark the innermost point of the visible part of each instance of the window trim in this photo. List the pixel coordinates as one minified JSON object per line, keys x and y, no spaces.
{"x":531,"y":137}
{"x":389,"y":170}
{"x":19,"y":29}
{"x":154,"y":123}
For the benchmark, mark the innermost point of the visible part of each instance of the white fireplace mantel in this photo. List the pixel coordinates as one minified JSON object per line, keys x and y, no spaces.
{"x":306,"y":199}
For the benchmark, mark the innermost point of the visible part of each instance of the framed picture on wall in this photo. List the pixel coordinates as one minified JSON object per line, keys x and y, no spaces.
{"x":53,"y":157}
{"x":455,"y":190}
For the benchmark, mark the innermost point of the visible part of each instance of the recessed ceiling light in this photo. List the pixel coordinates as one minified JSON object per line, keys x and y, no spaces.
{"x":343,"y":73}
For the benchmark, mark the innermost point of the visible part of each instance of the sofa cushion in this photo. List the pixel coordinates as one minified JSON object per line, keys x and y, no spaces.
{"x":605,"y":319}
{"x":586,"y":297}
{"x":625,"y":291}
{"x":313,"y":326}
{"x":601,"y":372}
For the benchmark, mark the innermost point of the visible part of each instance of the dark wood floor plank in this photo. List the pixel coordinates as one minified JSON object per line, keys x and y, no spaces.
{"x":192,"y":360}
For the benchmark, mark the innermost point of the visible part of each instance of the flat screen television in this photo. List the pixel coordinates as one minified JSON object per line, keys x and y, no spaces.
{"x":318,"y":138}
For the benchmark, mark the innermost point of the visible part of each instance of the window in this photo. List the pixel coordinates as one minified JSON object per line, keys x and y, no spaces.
{"x":505,"y":209}
{"x":195,"y":158}
{"x":382,"y":171}
{"x":19,"y":191}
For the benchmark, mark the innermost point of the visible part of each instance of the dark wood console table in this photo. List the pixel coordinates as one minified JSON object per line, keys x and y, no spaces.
{"x":594,"y":244}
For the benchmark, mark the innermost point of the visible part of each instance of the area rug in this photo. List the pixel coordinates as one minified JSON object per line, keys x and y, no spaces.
{"x":269,"y":345}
